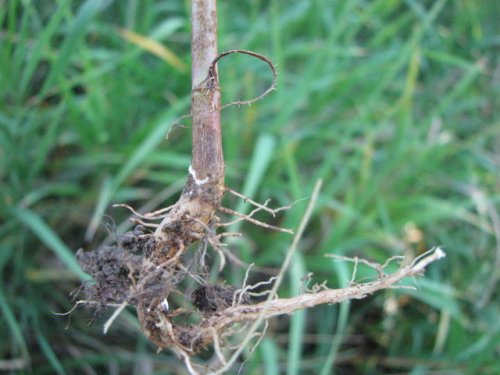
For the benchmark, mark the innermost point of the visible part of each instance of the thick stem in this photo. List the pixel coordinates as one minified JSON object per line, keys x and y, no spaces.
{"x":208,"y":160}
{"x":204,"y":39}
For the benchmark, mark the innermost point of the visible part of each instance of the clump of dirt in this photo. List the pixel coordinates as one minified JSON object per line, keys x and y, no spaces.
{"x":110,"y":268}
{"x":122,"y":273}
{"x":210,"y":298}
{"x":136,"y":241}
{"x":115,"y":269}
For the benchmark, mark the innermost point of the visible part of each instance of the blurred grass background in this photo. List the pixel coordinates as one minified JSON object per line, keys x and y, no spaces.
{"x":394,"y":104}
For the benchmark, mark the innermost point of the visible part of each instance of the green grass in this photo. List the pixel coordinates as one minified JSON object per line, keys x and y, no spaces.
{"x":394,"y":104}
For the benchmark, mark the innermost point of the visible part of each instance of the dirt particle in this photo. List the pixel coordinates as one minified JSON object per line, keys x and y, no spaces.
{"x":212,"y":298}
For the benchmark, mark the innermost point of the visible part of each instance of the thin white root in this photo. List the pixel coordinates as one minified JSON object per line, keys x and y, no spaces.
{"x":112,"y":318}
{"x":217,"y":347}
{"x":238,"y":262}
{"x":247,"y":275}
{"x":254,"y":221}
{"x":251,"y":214}
{"x":213,"y":240}
{"x":176,"y":124}
{"x":148,"y":225}
{"x":376,"y":266}
{"x":197,"y":278}
{"x":77,"y":303}
{"x":304,"y":286}
{"x":229,"y":234}
{"x":392,"y":259}
{"x":272,"y":211}
{"x":240,"y":293}
{"x":354,"y":272}
{"x":156,"y":215}
{"x":261,"y":336}
{"x":220,"y":252}
{"x":422,"y":261}
{"x":84,"y":302}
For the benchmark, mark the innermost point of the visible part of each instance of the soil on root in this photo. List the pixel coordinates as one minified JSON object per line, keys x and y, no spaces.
{"x":122,"y":273}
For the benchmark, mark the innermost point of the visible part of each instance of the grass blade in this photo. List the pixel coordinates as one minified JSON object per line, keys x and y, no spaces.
{"x":298,"y":319}
{"x":47,"y":235}
{"x":15,"y":328}
{"x":154,"y":138}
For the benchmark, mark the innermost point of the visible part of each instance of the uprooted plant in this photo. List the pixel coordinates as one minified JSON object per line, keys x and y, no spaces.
{"x":148,"y":266}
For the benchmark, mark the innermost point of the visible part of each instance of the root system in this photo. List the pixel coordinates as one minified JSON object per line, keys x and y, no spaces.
{"x":151,"y":268}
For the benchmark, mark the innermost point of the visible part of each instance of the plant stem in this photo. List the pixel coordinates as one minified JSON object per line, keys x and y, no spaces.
{"x":188,"y":220}
{"x":207,"y":158}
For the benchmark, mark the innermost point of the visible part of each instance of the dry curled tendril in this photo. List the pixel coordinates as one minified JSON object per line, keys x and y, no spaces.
{"x":212,"y":75}
{"x":210,"y":82}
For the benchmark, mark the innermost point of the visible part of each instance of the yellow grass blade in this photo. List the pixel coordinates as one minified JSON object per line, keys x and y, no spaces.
{"x":155,"y":48}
